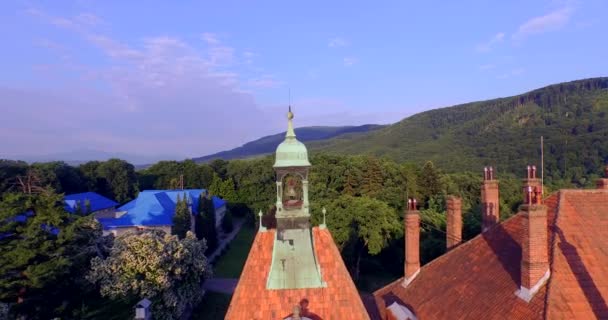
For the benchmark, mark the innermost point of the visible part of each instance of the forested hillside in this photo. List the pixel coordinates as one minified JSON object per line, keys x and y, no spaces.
{"x":268,"y":144}
{"x":503,"y":132}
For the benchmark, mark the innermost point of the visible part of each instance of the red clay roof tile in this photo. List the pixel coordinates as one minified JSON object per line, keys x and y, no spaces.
{"x":478,"y":279}
{"x":339,"y":300}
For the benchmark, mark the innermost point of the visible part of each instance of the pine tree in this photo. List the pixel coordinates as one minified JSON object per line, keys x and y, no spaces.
{"x":181,"y":219}
{"x":78,"y":208}
{"x":372,"y":177}
{"x":205,"y":223}
{"x":44,"y":253}
{"x":216,"y":185}
{"x":350,"y":183}
{"x":227,"y":190}
{"x":429,"y":181}
{"x":87,"y":206}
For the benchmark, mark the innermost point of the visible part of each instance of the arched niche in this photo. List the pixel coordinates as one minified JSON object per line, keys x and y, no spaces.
{"x":293,"y":193}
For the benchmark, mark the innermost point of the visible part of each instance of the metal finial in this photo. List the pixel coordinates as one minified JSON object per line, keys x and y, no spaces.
{"x":323,"y":225}
{"x":262,"y":228}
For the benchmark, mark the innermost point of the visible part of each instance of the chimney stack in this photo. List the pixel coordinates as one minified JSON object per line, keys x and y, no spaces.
{"x":534,"y":248}
{"x":490,"y":211}
{"x":412,"y":242}
{"x":602,"y":183}
{"x":531,"y":179}
{"x":454,"y":223}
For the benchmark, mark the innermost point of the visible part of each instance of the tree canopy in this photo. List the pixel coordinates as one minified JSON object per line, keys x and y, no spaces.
{"x":44,"y":253}
{"x":361,"y":223}
{"x":154,"y":265}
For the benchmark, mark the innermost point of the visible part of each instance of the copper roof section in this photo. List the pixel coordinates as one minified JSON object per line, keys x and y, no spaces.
{"x":338,"y":300}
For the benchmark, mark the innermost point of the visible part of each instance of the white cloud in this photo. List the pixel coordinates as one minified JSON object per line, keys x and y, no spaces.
{"x":337,"y":42}
{"x":490,"y":44}
{"x":350,"y":61}
{"x":218,"y":53}
{"x":157,"y":95}
{"x":549,"y":22}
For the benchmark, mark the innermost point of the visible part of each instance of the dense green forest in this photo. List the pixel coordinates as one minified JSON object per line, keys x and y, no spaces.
{"x":358,"y":191}
{"x":504,"y":132}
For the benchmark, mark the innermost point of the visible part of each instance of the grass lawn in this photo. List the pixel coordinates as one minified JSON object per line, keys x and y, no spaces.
{"x":213,"y":306}
{"x":231,"y":263}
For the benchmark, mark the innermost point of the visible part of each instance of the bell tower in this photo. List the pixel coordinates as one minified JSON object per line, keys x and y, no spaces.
{"x":294,"y":262}
{"x":291,"y":167}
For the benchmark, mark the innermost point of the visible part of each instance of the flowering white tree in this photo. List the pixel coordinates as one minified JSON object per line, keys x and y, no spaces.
{"x":155,"y":265}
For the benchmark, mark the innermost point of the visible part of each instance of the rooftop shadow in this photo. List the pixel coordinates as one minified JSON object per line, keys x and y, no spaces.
{"x":584,"y":279}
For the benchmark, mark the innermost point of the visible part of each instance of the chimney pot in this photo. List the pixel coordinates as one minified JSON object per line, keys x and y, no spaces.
{"x":533,"y":182}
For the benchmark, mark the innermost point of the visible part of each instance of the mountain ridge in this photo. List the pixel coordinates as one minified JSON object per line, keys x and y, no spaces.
{"x":504,"y":132}
{"x":268,"y":144}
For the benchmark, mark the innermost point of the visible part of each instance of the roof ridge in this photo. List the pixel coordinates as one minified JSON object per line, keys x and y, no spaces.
{"x":591,"y":190}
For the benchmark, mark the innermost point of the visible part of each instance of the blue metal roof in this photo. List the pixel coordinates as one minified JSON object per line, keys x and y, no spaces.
{"x":98,"y":202}
{"x":152,"y":208}
{"x":218,"y":202}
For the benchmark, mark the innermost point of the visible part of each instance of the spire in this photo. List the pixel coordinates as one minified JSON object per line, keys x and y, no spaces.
{"x":262,"y":228}
{"x":323,"y":225}
{"x":290,"y":133}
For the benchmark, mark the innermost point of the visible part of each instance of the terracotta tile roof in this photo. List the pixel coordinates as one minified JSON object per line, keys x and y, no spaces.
{"x":578,"y":287}
{"x":478,"y":279}
{"x":339,"y":300}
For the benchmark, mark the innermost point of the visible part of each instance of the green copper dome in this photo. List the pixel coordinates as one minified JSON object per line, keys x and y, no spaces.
{"x":291,"y":152}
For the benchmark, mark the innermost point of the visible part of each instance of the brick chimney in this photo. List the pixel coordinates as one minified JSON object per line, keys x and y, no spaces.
{"x":454,"y":225}
{"x":412,"y":242}
{"x":534,"y":257}
{"x":602,"y":183}
{"x":490,"y":208}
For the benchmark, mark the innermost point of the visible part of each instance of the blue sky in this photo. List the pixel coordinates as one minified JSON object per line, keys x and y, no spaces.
{"x":189,"y":78}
